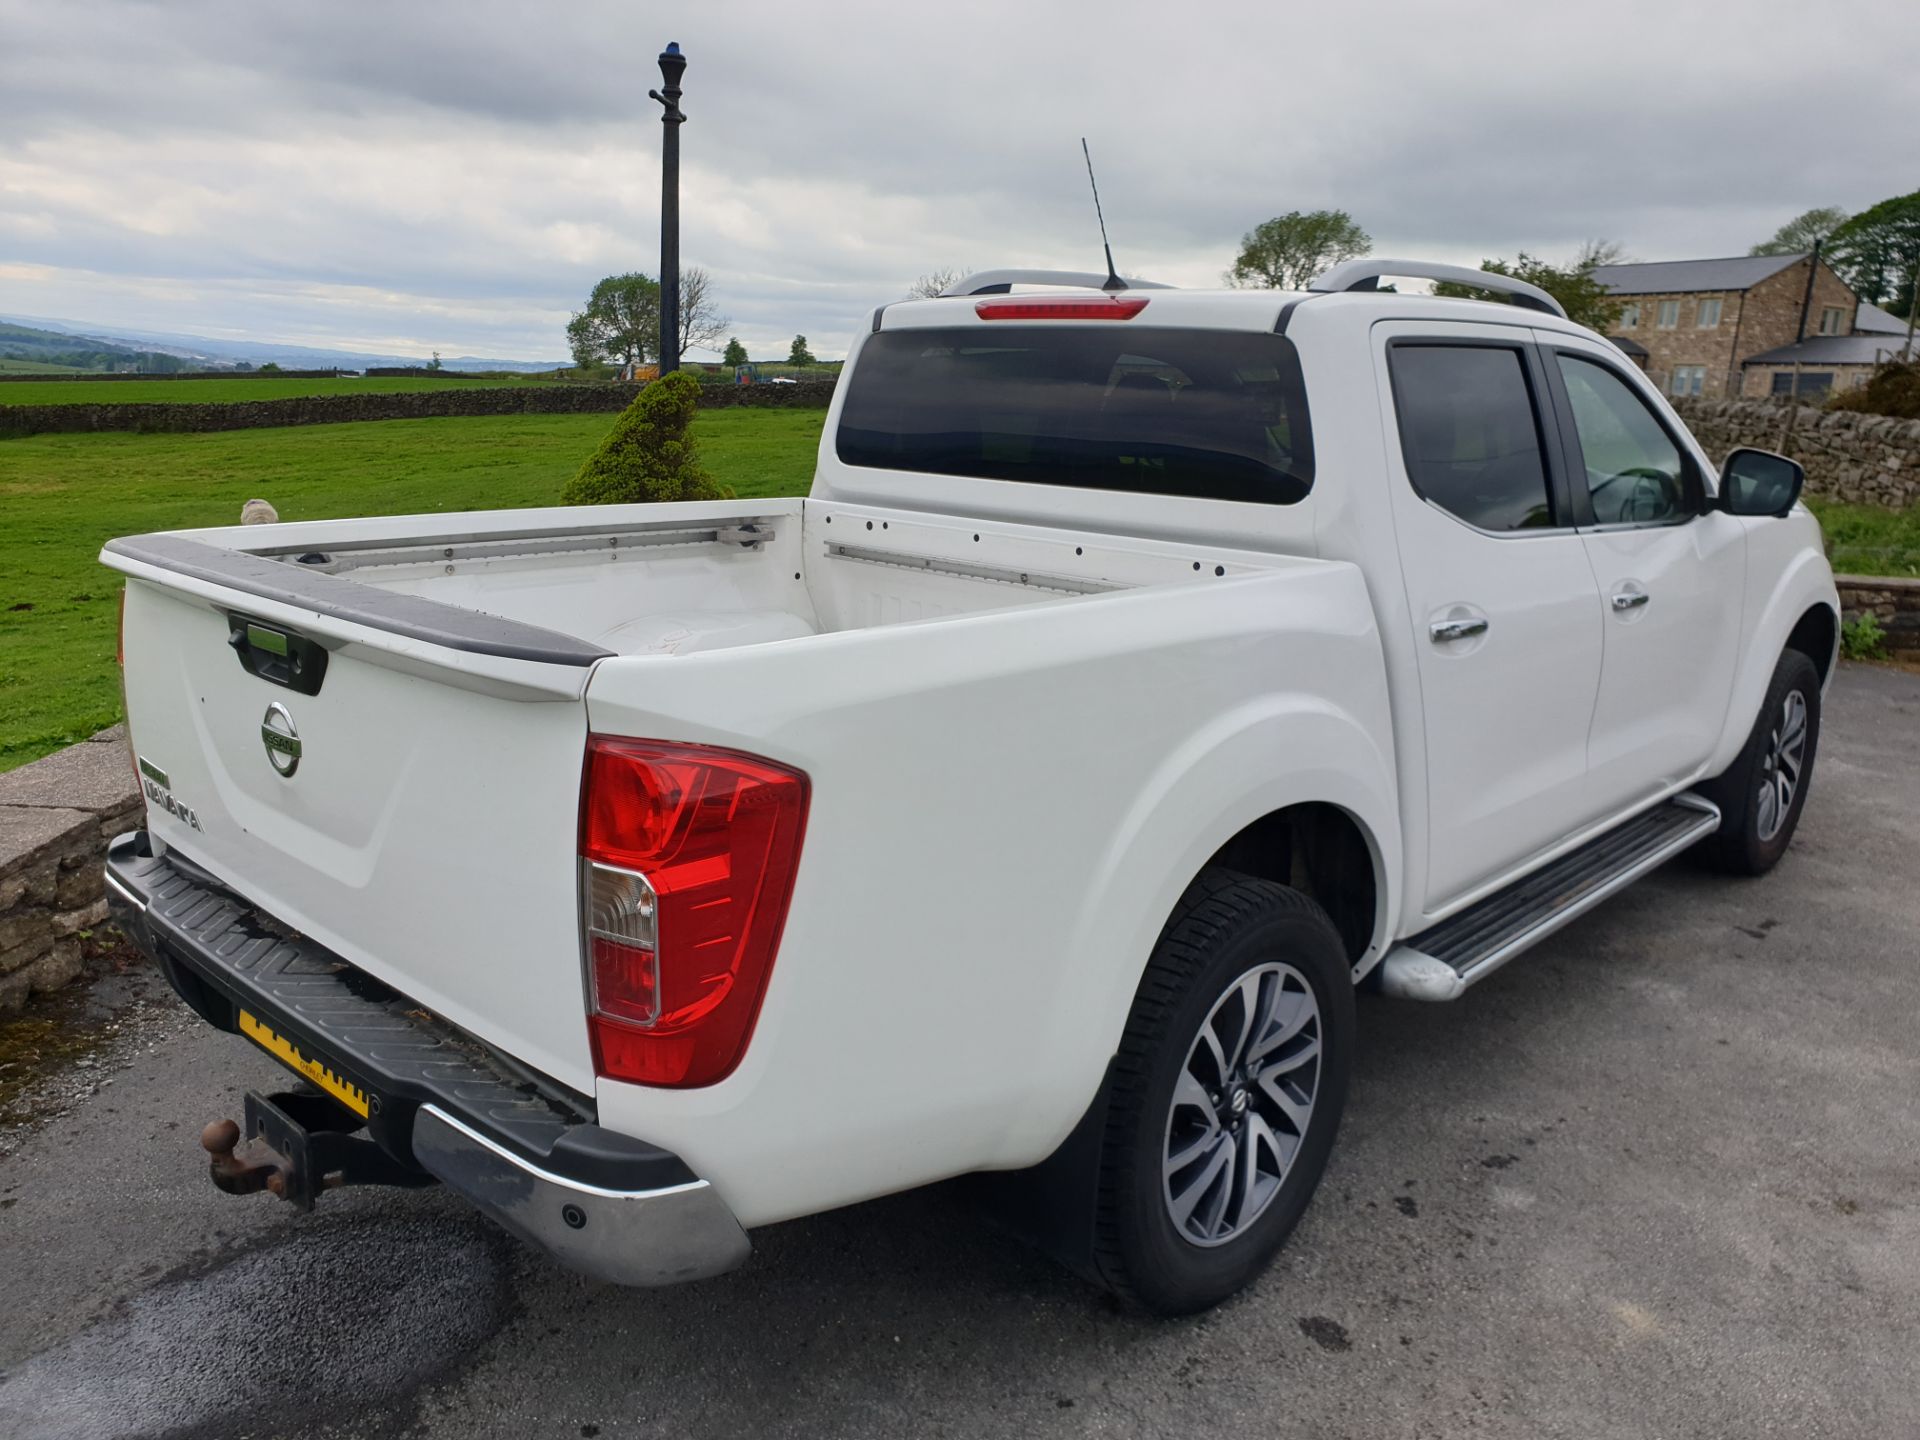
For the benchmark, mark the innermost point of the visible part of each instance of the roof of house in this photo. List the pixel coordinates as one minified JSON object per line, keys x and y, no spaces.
{"x":1668,"y":277}
{"x":1832,"y":350}
{"x":1629,"y":347}
{"x":1875,"y":321}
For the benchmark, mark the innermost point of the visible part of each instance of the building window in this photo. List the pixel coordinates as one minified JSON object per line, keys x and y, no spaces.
{"x":1709,"y":314}
{"x":1833,"y":320}
{"x":1629,"y":318}
{"x":1687,"y":379}
{"x":1669,"y":315}
{"x":1818,"y":383}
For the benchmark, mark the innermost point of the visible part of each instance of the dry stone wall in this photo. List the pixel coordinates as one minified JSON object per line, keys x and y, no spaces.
{"x":56,"y":816}
{"x":1862,"y":459}
{"x":555,"y":399}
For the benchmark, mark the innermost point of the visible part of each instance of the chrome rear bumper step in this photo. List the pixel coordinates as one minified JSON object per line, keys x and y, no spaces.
{"x":1441,"y":962}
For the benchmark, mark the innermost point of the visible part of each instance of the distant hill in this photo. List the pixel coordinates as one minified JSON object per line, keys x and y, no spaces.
{"x":25,"y":347}
{"x":35,"y":337}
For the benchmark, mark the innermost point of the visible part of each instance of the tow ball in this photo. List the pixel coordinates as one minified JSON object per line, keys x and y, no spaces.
{"x":299,"y":1144}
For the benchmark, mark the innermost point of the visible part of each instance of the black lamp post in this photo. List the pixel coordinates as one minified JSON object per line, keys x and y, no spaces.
{"x":672,"y":66}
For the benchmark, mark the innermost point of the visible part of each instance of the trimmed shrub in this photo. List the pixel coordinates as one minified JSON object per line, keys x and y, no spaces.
{"x":650,"y":456}
{"x":1893,"y":389}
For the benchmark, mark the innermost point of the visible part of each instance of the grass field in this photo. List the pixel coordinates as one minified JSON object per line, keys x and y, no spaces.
{"x":223,"y":389}
{"x":62,"y":496}
{"x":1869,"y":540}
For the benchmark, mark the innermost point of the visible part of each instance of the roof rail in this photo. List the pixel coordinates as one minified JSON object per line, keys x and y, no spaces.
{"x":999,"y":282}
{"x":1365,"y":275}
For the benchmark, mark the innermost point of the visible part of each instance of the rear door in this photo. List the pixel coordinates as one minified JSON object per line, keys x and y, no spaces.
{"x":1501,"y":598}
{"x":410,"y":805}
{"x":1671,"y":575}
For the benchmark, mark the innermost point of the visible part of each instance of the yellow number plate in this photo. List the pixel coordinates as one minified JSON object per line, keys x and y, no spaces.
{"x":318,"y":1071}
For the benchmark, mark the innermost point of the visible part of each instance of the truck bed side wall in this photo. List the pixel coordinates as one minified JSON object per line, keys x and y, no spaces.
{"x":1006,"y":807}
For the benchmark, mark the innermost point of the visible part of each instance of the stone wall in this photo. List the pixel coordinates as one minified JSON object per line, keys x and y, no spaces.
{"x":56,"y":816}
{"x":1862,"y":459}
{"x":1893,"y":601}
{"x":554,"y":399}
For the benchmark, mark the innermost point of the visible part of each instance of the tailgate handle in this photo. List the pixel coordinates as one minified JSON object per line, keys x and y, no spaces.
{"x":276,"y":655}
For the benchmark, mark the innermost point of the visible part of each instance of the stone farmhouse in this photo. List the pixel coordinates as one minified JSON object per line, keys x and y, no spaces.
{"x":1748,"y":325}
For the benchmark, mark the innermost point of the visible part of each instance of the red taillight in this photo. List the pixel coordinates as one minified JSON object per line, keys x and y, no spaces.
{"x":1107,"y":307}
{"x":689,"y":855}
{"x":120,"y":640}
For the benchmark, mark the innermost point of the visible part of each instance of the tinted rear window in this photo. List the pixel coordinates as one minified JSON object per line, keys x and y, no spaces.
{"x":1215,"y":414}
{"x":1468,"y":433}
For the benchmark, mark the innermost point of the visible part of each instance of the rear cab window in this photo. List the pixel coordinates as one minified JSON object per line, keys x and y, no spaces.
{"x":1208,"y":414}
{"x":1470,"y":433}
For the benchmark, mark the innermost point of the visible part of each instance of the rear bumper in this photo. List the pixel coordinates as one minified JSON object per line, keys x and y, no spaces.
{"x":523,"y":1150}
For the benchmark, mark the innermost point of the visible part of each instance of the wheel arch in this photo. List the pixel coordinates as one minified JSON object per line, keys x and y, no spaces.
{"x":1800,"y":610}
{"x":1328,"y":854}
{"x":1816,"y":634}
{"x":1224,"y":793}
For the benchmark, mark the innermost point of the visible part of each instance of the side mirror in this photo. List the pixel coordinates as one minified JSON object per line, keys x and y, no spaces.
{"x":1759,"y":482}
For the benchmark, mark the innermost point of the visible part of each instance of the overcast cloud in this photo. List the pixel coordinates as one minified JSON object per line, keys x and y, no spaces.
{"x":456,"y":176}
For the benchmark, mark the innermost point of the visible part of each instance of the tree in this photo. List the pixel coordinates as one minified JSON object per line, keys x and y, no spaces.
{"x":934,"y":281}
{"x":621,"y":322}
{"x":736,"y":353}
{"x":1803,"y":232}
{"x":434,"y":364}
{"x":1878,"y":253}
{"x":650,"y":455}
{"x":1594,"y":253}
{"x":272,"y":367}
{"x":799,"y":354}
{"x":1286,"y":252}
{"x":701,"y":323}
{"x":1586,"y":301}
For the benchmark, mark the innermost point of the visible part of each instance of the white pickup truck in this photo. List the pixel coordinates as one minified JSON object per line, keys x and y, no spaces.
{"x":1146,"y":670}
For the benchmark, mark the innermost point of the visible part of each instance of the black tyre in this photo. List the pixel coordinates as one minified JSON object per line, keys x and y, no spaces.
{"x":1227,"y":1093}
{"x":1763,"y":792}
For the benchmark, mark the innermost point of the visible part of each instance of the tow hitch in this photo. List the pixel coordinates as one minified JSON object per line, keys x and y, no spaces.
{"x":299,"y":1143}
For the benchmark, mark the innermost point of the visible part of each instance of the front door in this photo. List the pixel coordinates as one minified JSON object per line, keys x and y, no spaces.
{"x":1501,"y":599}
{"x":1671,"y":575}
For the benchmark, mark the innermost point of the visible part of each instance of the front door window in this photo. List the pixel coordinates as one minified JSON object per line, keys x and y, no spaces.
{"x":1635,"y":472}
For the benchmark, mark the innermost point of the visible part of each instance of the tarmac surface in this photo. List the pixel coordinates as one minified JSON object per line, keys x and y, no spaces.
{"x":1660,"y":1177}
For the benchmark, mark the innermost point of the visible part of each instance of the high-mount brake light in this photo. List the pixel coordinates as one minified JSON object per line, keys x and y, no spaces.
{"x":688,"y":859}
{"x":1106,"y":307}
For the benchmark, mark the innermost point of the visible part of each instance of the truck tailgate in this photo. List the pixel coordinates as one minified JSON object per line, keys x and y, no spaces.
{"x":416,"y":813}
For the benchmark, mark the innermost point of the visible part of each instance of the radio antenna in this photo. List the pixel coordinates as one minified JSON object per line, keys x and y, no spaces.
{"x":1114,"y":282}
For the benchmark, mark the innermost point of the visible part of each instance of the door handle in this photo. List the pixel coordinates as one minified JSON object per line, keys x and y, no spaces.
{"x":1630,"y":600}
{"x":1445,"y":630}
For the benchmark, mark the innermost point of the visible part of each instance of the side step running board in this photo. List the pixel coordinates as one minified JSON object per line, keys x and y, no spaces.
{"x":1441,"y":962}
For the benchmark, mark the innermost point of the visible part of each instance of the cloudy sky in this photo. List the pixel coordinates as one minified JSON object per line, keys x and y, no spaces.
{"x":456,"y":176}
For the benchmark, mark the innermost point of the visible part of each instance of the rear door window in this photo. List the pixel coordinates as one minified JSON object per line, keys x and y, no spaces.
{"x":1212,"y":414}
{"x":1470,"y":433}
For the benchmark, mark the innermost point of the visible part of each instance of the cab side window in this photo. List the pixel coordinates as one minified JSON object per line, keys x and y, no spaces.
{"x":1635,"y":473}
{"x":1470,"y":433}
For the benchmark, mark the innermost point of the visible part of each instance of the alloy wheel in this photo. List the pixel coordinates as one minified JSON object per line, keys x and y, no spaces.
{"x":1242,"y":1104}
{"x":1781,"y":766}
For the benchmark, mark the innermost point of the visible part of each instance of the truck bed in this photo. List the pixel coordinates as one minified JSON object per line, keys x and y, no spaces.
{"x":946,"y":683}
{"x":679,"y":579}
